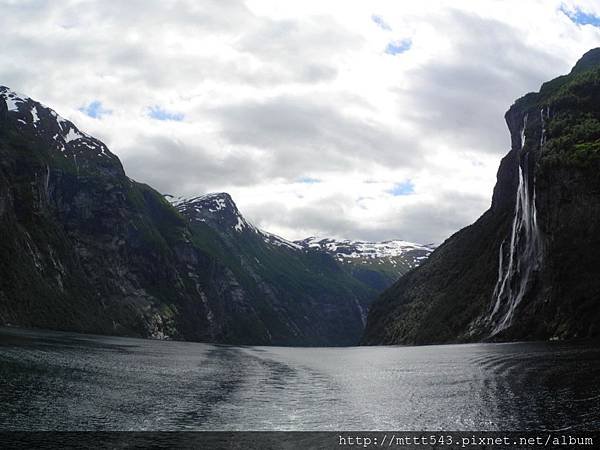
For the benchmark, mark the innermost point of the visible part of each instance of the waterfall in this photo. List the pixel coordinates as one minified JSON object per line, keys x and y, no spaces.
{"x":524,"y":246}
{"x":543,"y":122}
{"x":47,"y":185}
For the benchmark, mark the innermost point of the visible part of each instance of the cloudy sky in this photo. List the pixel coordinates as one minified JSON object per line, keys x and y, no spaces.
{"x":354,"y":119}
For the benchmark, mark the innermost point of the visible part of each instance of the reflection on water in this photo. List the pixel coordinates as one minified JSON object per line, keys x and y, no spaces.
{"x":67,"y":381}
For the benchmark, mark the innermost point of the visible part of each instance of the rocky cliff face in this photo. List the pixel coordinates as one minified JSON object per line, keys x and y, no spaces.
{"x":85,"y":248}
{"x":529,"y":268}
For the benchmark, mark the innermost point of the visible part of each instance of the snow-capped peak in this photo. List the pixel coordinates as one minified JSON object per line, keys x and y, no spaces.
{"x":214,"y":201}
{"x":217,"y":208}
{"x":364,"y":249}
{"x":44,"y":121}
{"x":219,"y":211}
{"x":392,"y":251}
{"x":12,"y":99}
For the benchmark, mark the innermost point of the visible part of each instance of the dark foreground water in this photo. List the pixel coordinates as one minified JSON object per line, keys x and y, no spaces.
{"x":67,"y":381}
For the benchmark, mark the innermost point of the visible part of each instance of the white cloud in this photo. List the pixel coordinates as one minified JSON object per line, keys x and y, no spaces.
{"x":270,"y":93}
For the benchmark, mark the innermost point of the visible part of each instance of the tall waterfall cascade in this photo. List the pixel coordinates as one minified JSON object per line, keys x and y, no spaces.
{"x":520,"y":254}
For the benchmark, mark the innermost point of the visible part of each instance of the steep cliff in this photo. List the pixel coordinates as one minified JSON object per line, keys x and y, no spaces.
{"x":85,"y":248}
{"x":529,"y":268}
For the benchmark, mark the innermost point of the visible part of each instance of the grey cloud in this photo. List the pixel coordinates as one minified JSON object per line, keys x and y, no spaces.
{"x":434,"y":221}
{"x":303,"y":134}
{"x":121,"y":40}
{"x":464,"y":95}
{"x":295,"y":136}
{"x":428,"y":222}
{"x":215,"y":16}
{"x":326,"y":215}
{"x":303,"y":48}
{"x":178,"y":168}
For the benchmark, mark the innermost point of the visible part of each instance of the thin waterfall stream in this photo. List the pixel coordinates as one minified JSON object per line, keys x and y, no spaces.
{"x":524,"y":251}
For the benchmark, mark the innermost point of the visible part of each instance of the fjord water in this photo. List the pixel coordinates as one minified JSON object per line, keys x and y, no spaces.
{"x":68,"y":381}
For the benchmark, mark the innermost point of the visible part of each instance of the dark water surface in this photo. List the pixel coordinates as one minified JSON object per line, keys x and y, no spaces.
{"x":68,"y":381}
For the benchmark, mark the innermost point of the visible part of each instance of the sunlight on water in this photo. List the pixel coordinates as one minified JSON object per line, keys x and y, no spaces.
{"x":69,"y":381}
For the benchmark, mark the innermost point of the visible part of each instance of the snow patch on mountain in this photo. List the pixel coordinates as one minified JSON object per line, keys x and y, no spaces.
{"x":273,"y":239}
{"x":216,"y":207}
{"x":364,"y":249}
{"x":239,"y":226}
{"x":214,"y":202}
{"x":12,"y":99}
{"x":46,"y":120}
{"x":34,"y":116}
{"x":219,"y":210}
{"x":72,"y":135}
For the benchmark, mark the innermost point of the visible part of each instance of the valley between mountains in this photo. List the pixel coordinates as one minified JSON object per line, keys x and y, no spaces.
{"x":85,"y":248}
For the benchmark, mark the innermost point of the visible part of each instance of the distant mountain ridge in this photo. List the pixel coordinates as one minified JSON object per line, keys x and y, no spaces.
{"x":346,"y":249}
{"x":86,"y":248}
{"x":378,"y":264}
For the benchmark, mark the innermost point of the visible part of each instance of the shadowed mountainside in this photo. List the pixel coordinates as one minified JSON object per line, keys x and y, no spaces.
{"x":529,"y":268}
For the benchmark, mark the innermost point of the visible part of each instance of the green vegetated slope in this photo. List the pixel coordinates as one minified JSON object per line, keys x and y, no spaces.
{"x":529,"y":268}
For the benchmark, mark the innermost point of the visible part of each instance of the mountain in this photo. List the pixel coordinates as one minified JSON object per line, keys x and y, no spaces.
{"x":304,"y":298}
{"x":529,"y":267}
{"x":328,"y":300}
{"x":378,"y":264}
{"x":85,"y":248}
